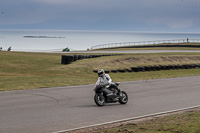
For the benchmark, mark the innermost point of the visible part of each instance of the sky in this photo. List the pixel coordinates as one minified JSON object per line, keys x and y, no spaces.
{"x":109,"y":15}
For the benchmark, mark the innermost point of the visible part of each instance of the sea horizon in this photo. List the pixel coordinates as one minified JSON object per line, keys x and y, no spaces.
{"x":99,"y":31}
{"x":56,"y":40}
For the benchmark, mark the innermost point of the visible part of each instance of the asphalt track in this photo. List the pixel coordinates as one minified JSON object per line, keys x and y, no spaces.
{"x":56,"y":109}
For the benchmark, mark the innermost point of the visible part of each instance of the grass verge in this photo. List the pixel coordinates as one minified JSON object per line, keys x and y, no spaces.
{"x":162,"y":46}
{"x":184,"y":122}
{"x":21,"y":70}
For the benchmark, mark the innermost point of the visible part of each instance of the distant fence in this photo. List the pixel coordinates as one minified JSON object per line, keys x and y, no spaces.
{"x":126,"y":44}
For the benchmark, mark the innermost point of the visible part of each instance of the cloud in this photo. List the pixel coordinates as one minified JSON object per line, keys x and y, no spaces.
{"x":56,"y":1}
{"x":175,"y":23}
{"x":174,"y":14}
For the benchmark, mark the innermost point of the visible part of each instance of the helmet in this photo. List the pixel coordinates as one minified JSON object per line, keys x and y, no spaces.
{"x":100,"y":72}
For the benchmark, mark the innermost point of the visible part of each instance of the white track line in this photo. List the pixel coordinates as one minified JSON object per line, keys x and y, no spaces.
{"x":128,"y":119}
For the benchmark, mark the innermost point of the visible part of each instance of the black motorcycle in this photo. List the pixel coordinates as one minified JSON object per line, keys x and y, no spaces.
{"x":101,"y":98}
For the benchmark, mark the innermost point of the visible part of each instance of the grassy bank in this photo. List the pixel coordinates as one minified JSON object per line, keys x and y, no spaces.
{"x":20,"y":70}
{"x":163,"y":46}
{"x":187,"y":122}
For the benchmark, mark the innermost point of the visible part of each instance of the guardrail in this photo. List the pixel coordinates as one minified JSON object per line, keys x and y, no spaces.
{"x":126,"y":44}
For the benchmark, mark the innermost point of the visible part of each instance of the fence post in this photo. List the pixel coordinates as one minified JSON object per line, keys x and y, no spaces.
{"x":142,"y":43}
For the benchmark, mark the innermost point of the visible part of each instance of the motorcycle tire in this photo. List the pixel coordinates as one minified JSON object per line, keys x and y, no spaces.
{"x":124,"y":98}
{"x":99,"y":99}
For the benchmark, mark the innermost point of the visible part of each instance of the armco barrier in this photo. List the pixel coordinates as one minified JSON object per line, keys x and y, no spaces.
{"x":156,"y":68}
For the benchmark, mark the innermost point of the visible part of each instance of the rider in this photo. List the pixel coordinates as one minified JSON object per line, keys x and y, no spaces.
{"x":105,"y":80}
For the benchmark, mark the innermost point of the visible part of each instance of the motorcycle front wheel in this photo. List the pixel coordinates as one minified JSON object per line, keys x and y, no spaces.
{"x":124,"y":98}
{"x":99,"y":99}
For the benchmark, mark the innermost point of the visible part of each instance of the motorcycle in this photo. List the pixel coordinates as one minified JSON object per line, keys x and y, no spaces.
{"x":101,"y":98}
{"x":66,"y":50}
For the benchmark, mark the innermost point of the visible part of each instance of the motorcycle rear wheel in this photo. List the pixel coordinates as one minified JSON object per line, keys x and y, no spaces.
{"x":124,"y":98}
{"x":99,"y":99}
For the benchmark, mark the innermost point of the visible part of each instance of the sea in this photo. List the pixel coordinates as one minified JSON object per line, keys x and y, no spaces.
{"x":56,"y":40}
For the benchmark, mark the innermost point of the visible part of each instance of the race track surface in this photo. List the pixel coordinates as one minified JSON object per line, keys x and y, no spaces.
{"x":54,"y":109}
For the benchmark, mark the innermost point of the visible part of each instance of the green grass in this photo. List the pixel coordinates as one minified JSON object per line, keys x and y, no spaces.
{"x":21,"y":70}
{"x":155,"y":47}
{"x":36,"y":70}
{"x":187,"y":122}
